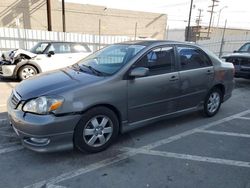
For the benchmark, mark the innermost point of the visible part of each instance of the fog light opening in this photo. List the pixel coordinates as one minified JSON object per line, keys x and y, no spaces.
{"x":42,"y":141}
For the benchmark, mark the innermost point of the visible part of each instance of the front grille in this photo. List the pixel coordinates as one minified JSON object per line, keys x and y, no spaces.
{"x":15,"y":99}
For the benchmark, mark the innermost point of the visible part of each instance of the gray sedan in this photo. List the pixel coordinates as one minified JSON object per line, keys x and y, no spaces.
{"x":119,"y":88}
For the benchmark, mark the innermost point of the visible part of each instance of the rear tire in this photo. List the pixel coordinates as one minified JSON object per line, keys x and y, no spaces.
{"x":26,"y":71}
{"x":212,"y":102}
{"x":97,"y":130}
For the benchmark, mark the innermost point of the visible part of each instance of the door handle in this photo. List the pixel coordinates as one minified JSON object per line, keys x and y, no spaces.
{"x":173,"y":78}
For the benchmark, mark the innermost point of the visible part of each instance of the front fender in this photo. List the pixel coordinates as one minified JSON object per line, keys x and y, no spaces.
{"x":27,"y":62}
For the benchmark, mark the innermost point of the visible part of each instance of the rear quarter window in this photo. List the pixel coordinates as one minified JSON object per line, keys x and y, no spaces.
{"x":192,"y":58}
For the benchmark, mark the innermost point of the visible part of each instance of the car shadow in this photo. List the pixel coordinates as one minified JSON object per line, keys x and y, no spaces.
{"x":242,"y":83}
{"x":9,"y":80}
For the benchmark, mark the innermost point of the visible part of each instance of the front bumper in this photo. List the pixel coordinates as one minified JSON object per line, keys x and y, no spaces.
{"x":242,"y":74}
{"x":7,"y":70}
{"x":242,"y":71}
{"x":58,"y":131}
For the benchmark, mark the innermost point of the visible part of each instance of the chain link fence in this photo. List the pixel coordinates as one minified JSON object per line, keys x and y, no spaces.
{"x":226,"y":41}
{"x":13,"y":38}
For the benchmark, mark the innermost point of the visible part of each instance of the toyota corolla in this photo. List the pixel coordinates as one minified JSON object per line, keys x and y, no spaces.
{"x":119,"y":88}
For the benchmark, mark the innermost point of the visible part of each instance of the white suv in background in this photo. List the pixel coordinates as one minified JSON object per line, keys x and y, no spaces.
{"x":44,"y":56}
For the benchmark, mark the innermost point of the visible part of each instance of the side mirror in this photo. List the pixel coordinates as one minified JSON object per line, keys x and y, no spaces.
{"x":235,"y":51}
{"x":139,"y":72}
{"x":50,"y":53}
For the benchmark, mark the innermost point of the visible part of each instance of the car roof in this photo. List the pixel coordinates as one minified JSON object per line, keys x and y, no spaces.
{"x":154,"y":42}
{"x":61,"y":42}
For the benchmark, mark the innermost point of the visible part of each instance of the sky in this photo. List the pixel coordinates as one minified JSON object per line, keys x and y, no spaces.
{"x":236,"y":12}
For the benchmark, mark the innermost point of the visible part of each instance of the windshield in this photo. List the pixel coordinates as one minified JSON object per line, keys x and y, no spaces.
{"x":39,"y":48}
{"x":111,"y":59}
{"x":245,"y":48}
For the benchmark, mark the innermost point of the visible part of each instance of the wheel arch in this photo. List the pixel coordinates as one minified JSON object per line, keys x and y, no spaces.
{"x":221,"y":87}
{"x":31,"y":63}
{"x":111,"y":107}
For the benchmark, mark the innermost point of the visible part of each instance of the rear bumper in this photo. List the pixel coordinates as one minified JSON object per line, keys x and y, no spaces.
{"x":43,"y":133}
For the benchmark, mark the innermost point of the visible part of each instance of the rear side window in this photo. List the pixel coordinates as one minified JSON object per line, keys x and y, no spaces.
{"x":159,"y":60}
{"x":192,"y":58}
{"x":60,"y":48}
{"x":78,"y":48}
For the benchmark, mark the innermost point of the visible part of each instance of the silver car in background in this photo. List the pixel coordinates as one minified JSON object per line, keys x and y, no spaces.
{"x":119,"y":88}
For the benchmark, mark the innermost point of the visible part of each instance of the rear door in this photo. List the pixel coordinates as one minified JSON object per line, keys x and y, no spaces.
{"x":196,"y":75}
{"x":154,"y":95}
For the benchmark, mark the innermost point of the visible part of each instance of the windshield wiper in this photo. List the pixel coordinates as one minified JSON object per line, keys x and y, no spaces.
{"x":93,"y":70}
{"x":78,"y":68}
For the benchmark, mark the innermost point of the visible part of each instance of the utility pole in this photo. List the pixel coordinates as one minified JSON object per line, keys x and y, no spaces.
{"x":189,"y":19}
{"x":135,"y":30}
{"x":99,"y":33}
{"x":49,"y":15}
{"x":211,"y":15}
{"x":63,"y":16}
{"x":198,"y":21}
{"x":223,"y":39}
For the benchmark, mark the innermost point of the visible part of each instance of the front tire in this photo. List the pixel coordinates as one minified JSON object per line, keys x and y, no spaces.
{"x":97,"y":130}
{"x":212,"y":102}
{"x":26,"y":71}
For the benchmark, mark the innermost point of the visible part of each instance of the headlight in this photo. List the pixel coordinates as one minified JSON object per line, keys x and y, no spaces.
{"x":43,"y":105}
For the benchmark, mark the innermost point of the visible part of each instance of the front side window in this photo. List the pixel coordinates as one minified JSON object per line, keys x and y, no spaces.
{"x":158,"y":61}
{"x":39,"y":48}
{"x":192,"y":58}
{"x":112,"y":58}
{"x":79,"y":48}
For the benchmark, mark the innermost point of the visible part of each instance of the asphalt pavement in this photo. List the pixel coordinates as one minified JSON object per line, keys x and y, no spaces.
{"x":189,"y":151}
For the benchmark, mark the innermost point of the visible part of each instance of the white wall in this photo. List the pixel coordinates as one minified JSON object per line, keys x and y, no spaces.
{"x":13,"y":38}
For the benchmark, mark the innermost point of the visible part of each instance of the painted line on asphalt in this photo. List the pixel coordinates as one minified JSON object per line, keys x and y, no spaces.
{"x":10,"y":149}
{"x":84,"y":170}
{"x":3,"y":105}
{"x":126,"y":155}
{"x":192,"y":131}
{"x":55,"y":186}
{"x":245,"y":118}
{"x":225,"y":133}
{"x":191,"y":157}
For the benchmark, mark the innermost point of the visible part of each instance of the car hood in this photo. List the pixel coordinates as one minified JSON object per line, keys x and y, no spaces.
{"x":246,"y":55}
{"x":54,"y":83}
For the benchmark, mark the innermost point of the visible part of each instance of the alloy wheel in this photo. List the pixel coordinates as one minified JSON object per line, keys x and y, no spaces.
{"x":213,"y":102}
{"x":98,"y":131}
{"x":28,"y":72}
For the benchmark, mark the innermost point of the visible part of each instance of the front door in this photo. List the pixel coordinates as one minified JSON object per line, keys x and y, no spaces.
{"x":61,"y":58}
{"x":154,"y":95}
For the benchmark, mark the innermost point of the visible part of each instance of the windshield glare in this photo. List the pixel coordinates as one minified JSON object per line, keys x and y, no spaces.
{"x":111,"y":59}
{"x":39,"y":48}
